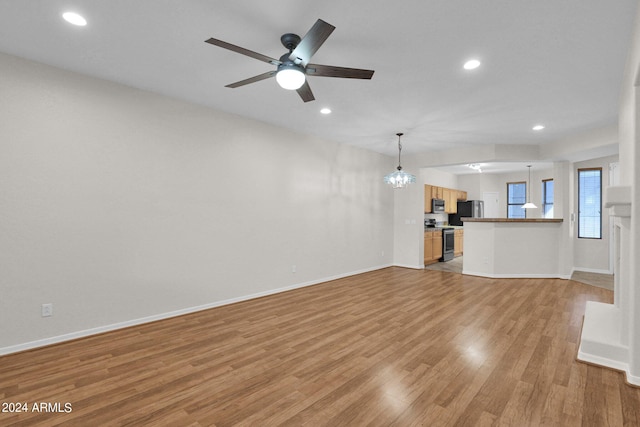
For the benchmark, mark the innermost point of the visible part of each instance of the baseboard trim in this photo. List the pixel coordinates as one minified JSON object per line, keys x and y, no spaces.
{"x":140,"y":321}
{"x":590,"y":270}
{"x":517,"y":276}
{"x":413,"y":267}
{"x":604,"y":362}
{"x":600,"y":342}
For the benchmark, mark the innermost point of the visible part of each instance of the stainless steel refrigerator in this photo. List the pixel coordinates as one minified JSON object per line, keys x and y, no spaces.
{"x":467,"y":209}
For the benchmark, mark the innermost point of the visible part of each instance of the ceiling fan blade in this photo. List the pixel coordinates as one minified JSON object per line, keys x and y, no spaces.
{"x":243,"y":51}
{"x":331,"y":71}
{"x":311,"y":42}
{"x":305,"y":92}
{"x":253,"y":79}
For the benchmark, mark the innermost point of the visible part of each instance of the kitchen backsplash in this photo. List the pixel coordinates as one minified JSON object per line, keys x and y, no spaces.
{"x":441,"y":218}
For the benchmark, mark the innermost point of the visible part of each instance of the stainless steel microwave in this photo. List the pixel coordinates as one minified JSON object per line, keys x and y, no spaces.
{"x":437,"y":205}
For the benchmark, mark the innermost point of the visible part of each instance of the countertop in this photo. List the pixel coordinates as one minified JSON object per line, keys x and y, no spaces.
{"x":531,"y":220}
{"x":433,"y":229}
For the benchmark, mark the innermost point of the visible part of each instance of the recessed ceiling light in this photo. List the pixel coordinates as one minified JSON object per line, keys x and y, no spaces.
{"x":74,"y":18}
{"x":538,"y":127}
{"x":471,"y":64}
{"x":325,"y":110}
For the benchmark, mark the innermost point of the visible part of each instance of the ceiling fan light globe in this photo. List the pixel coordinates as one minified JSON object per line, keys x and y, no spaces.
{"x":290,"y":78}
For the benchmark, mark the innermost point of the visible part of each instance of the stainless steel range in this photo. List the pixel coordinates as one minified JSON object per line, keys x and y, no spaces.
{"x":448,"y":239}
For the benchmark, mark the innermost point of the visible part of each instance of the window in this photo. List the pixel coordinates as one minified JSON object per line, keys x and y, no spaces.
{"x":547,"y":198}
{"x":516,"y":197}
{"x":589,"y":203}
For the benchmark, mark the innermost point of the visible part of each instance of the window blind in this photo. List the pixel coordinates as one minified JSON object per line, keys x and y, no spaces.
{"x":516,"y":197}
{"x":589,"y":203}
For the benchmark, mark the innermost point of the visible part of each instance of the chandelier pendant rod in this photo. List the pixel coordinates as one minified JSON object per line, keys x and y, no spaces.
{"x":399,"y":150}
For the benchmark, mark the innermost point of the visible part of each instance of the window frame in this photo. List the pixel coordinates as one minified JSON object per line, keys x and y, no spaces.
{"x":599,"y":169}
{"x":517,"y":204}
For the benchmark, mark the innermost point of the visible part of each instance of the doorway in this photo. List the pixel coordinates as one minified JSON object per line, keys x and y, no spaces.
{"x":491,"y":209}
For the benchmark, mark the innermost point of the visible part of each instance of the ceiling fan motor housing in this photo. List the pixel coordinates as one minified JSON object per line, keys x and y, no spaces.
{"x":289,"y":64}
{"x":290,"y":41}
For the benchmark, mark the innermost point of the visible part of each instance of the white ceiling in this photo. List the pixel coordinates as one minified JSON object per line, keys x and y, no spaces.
{"x":496,"y":167}
{"x":546,"y":61}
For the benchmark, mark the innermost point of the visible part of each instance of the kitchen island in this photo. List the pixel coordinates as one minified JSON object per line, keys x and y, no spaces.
{"x":513,"y":248}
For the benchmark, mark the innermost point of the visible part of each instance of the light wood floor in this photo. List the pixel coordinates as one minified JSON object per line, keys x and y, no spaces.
{"x":394,"y":347}
{"x":594,"y":279}
{"x":452,"y":266}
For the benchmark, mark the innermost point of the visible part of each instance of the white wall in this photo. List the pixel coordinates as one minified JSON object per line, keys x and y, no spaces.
{"x":611,"y":332}
{"x":629,"y":122}
{"x":591,"y":144}
{"x":478,"y":183}
{"x":438,"y":178}
{"x":408,"y":224}
{"x":118,"y":204}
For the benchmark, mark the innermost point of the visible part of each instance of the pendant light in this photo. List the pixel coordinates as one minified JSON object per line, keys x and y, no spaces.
{"x":529,"y":205}
{"x":399,"y":178}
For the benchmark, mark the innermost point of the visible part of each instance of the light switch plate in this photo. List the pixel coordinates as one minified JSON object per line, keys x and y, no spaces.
{"x":47,"y":310}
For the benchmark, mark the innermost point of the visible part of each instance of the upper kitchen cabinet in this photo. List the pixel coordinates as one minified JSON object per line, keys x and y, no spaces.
{"x":427,"y":198}
{"x":450,"y":200}
{"x":450,"y":206}
{"x":449,"y":195}
{"x":436,"y":192}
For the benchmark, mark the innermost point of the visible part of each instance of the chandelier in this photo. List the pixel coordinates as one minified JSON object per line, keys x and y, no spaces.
{"x":399,"y":178}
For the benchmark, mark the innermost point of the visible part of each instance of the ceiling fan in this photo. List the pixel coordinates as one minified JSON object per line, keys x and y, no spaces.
{"x":293,"y":66}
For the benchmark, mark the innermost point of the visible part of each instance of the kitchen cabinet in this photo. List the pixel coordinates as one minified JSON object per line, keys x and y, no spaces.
{"x":449,"y":195}
{"x":436,"y":245}
{"x":458,"y":239}
{"x":452,"y":202}
{"x":436,"y":192}
{"x":428,"y":248}
{"x":446,"y":196}
{"x":432,"y":246}
{"x":427,"y":198}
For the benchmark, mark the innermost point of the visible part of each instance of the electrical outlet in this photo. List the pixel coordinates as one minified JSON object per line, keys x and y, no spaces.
{"x":47,"y":310}
{"x":293,"y":268}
